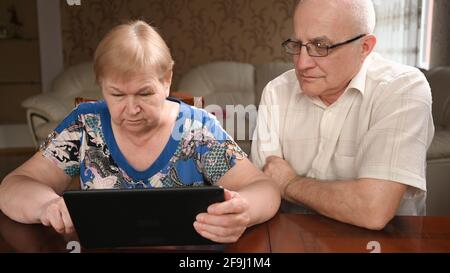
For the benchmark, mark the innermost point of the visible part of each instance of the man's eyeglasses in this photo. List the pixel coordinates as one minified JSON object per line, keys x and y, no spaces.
{"x":314,"y":49}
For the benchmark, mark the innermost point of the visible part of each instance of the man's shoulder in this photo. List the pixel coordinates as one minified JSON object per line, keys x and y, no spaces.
{"x":385,"y":70}
{"x":284,"y":79}
{"x":388,"y":79}
{"x":283,"y":85}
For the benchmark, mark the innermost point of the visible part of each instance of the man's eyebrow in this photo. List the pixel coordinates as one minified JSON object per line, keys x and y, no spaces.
{"x":321,"y":39}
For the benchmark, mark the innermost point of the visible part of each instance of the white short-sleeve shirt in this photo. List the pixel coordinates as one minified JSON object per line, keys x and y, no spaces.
{"x":380,"y":128}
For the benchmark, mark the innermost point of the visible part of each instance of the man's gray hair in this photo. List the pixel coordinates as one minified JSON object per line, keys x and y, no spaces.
{"x":361,"y":12}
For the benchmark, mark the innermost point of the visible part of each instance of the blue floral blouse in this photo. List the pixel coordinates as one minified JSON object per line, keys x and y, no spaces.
{"x":199,"y":152}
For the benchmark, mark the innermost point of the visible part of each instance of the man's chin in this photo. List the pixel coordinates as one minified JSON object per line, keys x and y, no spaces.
{"x":310,"y":88}
{"x":310,"y":91}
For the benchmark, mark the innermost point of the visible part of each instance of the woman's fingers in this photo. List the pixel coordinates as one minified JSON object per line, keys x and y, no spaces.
{"x":234,"y":205}
{"x":56,"y":215}
{"x":68,"y":224}
{"x":226,"y":220}
{"x":55,"y":218}
{"x":219,"y":234}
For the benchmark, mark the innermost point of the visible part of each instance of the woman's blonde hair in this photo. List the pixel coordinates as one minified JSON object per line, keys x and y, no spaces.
{"x":130,"y":49}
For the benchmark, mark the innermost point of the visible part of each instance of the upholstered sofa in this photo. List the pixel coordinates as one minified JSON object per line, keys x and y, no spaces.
{"x":225,"y":84}
{"x":438,"y":156}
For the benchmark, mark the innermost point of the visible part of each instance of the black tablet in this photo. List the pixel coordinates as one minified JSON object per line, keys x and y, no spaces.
{"x":140,"y":217}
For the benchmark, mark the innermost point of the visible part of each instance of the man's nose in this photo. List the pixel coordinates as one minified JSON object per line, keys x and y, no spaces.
{"x":303,"y":60}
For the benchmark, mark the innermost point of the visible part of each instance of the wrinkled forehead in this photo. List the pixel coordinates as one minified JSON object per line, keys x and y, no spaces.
{"x":317,"y":19}
{"x":132,"y":80}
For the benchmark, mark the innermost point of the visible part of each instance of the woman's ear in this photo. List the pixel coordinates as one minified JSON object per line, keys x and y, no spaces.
{"x":167,"y":81}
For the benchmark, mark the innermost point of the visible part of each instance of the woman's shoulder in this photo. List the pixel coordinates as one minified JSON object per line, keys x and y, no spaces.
{"x":91,"y":107}
{"x":83,"y":111}
{"x":193,"y":113}
{"x":94,"y":109}
{"x":196,"y":117}
{"x":198,"y":122}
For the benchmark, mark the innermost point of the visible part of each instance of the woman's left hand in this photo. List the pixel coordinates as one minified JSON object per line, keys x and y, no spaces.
{"x":224,"y":222}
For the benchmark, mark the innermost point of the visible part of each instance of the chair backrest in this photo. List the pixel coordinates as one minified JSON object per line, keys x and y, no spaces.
{"x":79,"y":100}
{"x":76,"y":81}
{"x":197,"y":101}
{"x":221,"y":83}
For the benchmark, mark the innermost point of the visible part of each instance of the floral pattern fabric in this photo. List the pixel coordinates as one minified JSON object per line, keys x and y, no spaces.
{"x":199,"y":152}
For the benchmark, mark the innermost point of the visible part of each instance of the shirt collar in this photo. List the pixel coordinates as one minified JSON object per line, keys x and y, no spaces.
{"x":359,"y":80}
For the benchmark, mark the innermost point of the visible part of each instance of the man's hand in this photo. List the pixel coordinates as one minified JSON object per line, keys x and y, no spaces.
{"x":281,"y":171}
{"x":224,"y":222}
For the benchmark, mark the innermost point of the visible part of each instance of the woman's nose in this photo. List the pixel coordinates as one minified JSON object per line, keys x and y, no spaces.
{"x":133,"y":106}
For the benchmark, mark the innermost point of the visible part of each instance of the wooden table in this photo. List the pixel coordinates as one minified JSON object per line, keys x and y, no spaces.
{"x":284,"y":233}
{"x":16,"y":237}
{"x":314,"y":233}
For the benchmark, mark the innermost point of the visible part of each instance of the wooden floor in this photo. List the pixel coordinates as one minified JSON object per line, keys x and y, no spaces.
{"x":12,"y":158}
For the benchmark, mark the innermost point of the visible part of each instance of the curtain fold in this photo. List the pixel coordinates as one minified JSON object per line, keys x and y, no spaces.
{"x":398,"y":29}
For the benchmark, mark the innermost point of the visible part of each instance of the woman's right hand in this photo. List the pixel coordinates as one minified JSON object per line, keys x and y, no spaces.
{"x":56,"y":215}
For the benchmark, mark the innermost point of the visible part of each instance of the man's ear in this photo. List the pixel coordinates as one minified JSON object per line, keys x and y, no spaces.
{"x":368,"y":44}
{"x":167,"y":81}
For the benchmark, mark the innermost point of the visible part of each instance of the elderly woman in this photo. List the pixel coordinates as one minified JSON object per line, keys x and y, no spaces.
{"x":137,"y":137}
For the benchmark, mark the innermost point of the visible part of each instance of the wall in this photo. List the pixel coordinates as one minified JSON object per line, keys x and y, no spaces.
{"x":197,"y":31}
{"x":19,"y":60}
{"x":440,"y":41}
{"x":50,"y":44}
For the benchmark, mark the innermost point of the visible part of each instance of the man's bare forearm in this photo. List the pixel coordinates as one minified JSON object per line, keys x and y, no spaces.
{"x":357,"y":202}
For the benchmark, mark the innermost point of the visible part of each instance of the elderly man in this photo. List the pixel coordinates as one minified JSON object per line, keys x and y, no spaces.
{"x":346,"y":132}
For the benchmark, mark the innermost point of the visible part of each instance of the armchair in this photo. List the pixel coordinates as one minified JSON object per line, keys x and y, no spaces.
{"x":438,"y":156}
{"x":46,"y":110}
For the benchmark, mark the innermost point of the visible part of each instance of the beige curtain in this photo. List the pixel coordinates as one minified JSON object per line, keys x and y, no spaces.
{"x":398,"y":29}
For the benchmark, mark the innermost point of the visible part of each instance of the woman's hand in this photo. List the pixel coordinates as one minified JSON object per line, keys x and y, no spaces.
{"x":224,"y":222}
{"x":56,"y":215}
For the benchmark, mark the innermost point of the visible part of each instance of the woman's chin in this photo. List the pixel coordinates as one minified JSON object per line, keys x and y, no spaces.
{"x":135,"y":127}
